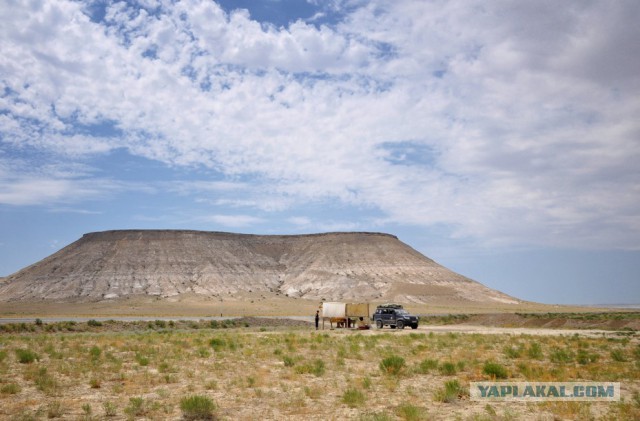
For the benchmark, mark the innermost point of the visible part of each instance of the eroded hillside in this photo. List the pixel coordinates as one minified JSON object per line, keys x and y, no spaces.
{"x":334,"y":266}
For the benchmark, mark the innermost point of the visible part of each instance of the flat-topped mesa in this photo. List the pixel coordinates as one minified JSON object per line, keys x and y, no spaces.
{"x":333,"y":266}
{"x":149,"y":233}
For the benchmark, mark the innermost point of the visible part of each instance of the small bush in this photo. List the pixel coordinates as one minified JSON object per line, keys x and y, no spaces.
{"x":353,"y":397}
{"x":26,"y":356}
{"x":86,"y":408}
{"x":197,"y":407}
{"x":94,"y":323}
{"x":136,"y":407}
{"x":288,"y":361}
{"x":39,"y":322}
{"x":427,"y":365}
{"x":495,"y":370}
{"x":10,"y":389}
{"x":142,"y":360}
{"x":315,"y":367}
{"x":618,"y":355}
{"x":110,"y":409}
{"x":511,"y":352}
{"x":55,"y":409}
{"x":203,"y":353}
{"x":535,"y":351}
{"x":217,"y":343}
{"x":447,"y":369}
{"x":411,"y":412}
{"x":45,"y":381}
{"x":451,"y":392}
{"x":585,"y":357}
{"x":95,"y":352}
{"x":392,"y":365}
{"x":636,"y":353}
{"x":561,"y":356}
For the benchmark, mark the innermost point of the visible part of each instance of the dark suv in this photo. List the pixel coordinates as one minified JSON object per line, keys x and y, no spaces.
{"x":394,"y":316}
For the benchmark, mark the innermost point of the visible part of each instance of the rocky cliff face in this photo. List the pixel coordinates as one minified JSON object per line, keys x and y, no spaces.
{"x":334,"y":266}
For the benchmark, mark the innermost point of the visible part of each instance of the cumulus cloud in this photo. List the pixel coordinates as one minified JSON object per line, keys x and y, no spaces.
{"x":508,"y":122}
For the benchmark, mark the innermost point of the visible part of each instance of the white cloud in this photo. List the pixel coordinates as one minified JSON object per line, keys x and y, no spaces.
{"x":529,"y":108}
{"x":234,"y":221}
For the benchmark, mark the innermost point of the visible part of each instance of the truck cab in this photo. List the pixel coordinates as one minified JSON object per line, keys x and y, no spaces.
{"x":394,"y":316}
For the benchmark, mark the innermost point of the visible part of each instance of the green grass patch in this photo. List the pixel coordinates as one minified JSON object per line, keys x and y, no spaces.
{"x":535,"y":351}
{"x":561,"y":356}
{"x":315,"y":367}
{"x":26,"y":356}
{"x":10,"y":389}
{"x":427,"y":365}
{"x":495,"y":370}
{"x":198,"y":407}
{"x":447,"y":368}
{"x":410,"y":412}
{"x":392,"y":365}
{"x":451,"y":392}
{"x":353,"y":397}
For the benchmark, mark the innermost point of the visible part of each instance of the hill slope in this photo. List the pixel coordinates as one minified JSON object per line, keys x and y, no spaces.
{"x":165,"y":263}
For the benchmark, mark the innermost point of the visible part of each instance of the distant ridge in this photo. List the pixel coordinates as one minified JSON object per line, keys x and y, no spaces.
{"x":111,"y":265}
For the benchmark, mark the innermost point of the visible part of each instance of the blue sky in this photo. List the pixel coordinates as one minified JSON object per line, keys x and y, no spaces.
{"x":501,"y":139}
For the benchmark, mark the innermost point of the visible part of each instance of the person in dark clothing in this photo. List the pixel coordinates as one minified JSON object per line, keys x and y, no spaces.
{"x":317,"y":318}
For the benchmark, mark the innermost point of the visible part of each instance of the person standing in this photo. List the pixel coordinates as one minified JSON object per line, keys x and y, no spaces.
{"x":317,"y":318}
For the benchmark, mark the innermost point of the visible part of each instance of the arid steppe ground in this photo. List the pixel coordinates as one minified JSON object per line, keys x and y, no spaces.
{"x":274,"y":369}
{"x":246,"y":304}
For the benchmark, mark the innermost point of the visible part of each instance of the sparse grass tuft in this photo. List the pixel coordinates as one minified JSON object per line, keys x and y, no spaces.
{"x":618,"y":355}
{"x":10,"y":389}
{"x":561,"y":356}
{"x":136,"y":407}
{"x":143,"y":360}
{"x":26,"y":356}
{"x":427,"y":365}
{"x":55,"y":409}
{"x":45,"y":381}
{"x":495,"y":370}
{"x":535,"y":351}
{"x":316,"y":367}
{"x":288,"y":361}
{"x":353,"y":397}
{"x":512,"y":352}
{"x":410,"y":412}
{"x":451,"y":391}
{"x":95,"y":352}
{"x":197,"y":407}
{"x":447,"y":368}
{"x":376,"y":416}
{"x":392,"y":365}
{"x":217,"y":343}
{"x":584,"y":357}
{"x":110,"y":409}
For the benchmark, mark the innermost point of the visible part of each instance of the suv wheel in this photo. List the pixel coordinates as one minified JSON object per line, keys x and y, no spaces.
{"x":414,"y":326}
{"x":379,"y":324}
{"x":400,"y":324}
